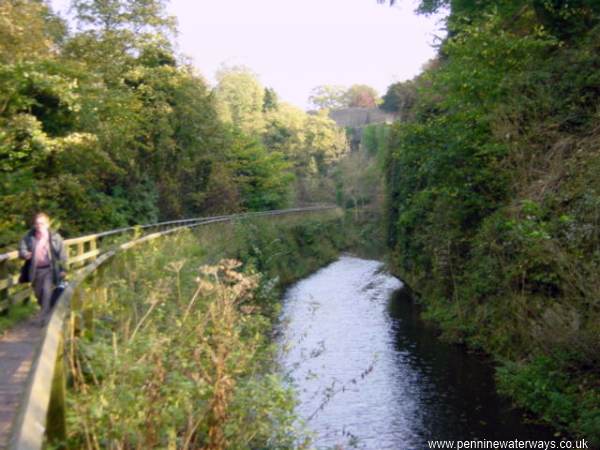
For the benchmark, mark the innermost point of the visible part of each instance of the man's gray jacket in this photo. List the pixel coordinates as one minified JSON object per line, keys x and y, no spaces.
{"x":58,"y":253}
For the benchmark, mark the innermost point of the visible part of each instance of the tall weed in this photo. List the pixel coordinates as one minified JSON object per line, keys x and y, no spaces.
{"x":178,"y":353}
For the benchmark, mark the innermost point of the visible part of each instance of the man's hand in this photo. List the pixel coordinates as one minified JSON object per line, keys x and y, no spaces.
{"x":27,"y":255}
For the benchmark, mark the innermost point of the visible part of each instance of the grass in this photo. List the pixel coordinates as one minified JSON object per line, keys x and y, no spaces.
{"x":17,"y":314}
{"x":179,"y":354}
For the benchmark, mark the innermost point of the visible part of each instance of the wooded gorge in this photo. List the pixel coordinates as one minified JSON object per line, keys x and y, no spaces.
{"x":487,"y":185}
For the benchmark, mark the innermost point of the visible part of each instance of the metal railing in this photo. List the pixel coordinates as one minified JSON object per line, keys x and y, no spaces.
{"x":46,"y":383}
{"x":85,"y":249}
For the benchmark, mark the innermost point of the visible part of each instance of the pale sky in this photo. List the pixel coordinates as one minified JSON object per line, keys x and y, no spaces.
{"x":294,"y":45}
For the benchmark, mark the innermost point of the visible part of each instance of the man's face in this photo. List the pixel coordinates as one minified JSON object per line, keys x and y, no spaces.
{"x":41,"y":223}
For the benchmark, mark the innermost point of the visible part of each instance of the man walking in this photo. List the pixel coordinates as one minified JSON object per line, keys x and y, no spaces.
{"x":48,"y":257}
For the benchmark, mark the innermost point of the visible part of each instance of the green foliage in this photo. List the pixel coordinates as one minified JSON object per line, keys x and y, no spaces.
{"x":271,"y":100}
{"x":115,"y":16}
{"x":374,"y":140}
{"x":262,"y":177}
{"x":179,"y":355}
{"x":359,"y":174}
{"x":400,"y":98}
{"x":544,"y":386}
{"x":16,"y":314}
{"x":290,"y":255}
{"x":188,"y":372}
{"x":358,"y":181}
{"x":361,"y":96}
{"x":285,"y":133}
{"x":490,"y":184}
{"x":104,"y":127}
{"x":311,"y":143}
{"x":328,"y":97}
{"x":567,"y":20}
{"x":564,"y":19}
{"x":325,"y":141}
{"x":27,"y":31}
{"x":241,"y":98}
{"x":338,"y":97}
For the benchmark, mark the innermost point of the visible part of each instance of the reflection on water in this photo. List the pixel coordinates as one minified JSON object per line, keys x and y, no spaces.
{"x":371,"y":374}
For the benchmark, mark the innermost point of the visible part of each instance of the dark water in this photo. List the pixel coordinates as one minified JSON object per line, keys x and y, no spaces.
{"x":369,"y":373}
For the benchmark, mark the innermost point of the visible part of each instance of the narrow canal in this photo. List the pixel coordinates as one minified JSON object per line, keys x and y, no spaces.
{"x":371,"y":375}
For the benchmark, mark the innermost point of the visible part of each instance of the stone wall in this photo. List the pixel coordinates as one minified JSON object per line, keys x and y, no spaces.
{"x":360,"y":117}
{"x":354,"y":120}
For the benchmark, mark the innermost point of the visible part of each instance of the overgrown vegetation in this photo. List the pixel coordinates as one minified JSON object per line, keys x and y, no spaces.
{"x":179,"y":354}
{"x":359,"y":174}
{"x":493,"y":194}
{"x":106,"y":125}
{"x":359,"y":182}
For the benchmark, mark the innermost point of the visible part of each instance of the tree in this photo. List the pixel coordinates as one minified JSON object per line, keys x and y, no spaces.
{"x":263,"y":177}
{"x":240,"y":98}
{"x":400,"y":98}
{"x":284,"y":132}
{"x":358,"y":180}
{"x":311,"y":143}
{"x":38,"y":100}
{"x":361,"y":96}
{"x":28,"y":31}
{"x":114,"y":33}
{"x":111,"y":97}
{"x":328,"y":97}
{"x":271,"y":100}
{"x":136,"y":17}
{"x":325,"y":141}
{"x":104,"y":127}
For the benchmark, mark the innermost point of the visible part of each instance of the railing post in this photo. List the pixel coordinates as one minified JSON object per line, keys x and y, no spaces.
{"x":76,"y":305}
{"x":101,"y":289}
{"x":56,"y":419}
{"x":137,"y":232}
{"x":80,"y":251}
{"x":5,"y":303}
{"x":93,"y":245}
{"x":88,"y":305}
